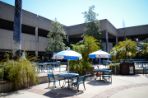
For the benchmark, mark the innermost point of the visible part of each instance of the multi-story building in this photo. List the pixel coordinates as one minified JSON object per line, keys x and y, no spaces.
{"x":35,"y":29}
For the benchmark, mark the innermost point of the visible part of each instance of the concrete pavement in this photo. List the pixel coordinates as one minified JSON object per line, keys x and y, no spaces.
{"x":136,"y":92}
{"x":135,"y":86}
{"x":22,"y":94}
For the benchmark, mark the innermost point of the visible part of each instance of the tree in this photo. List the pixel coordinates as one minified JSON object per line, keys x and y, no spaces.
{"x":142,"y":50}
{"x":92,"y":24}
{"x":145,"y":50}
{"x":88,"y":45}
{"x":56,"y":38}
{"x":124,"y":50}
{"x":17,"y":28}
{"x":85,"y":47}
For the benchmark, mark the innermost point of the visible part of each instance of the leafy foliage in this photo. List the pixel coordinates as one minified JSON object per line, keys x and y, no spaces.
{"x":124,"y":49}
{"x":56,"y":38}
{"x":21,"y":73}
{"x":1,"y":72}
{"x":143,"y":50}
{"x":92,"y":24}
{"x":88,"y":45}
{"x":115,"y":67}
{"x":80,"y":67}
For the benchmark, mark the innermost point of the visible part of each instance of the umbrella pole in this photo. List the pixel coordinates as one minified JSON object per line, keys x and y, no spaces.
{"x":68,"y":65}
{"x":99,"y":61}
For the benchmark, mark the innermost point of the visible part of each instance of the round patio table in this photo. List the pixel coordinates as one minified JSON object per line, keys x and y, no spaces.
{"x":68,"y":76}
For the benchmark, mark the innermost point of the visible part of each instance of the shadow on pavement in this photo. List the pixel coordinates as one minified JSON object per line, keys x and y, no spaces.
{"x":62,"y":92}
{"x":9,"y":94}
{"x":99,"y":83}
{"x":135,"y":75}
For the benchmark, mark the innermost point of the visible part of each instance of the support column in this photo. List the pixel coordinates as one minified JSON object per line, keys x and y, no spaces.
{"x":106,"y":36}
{"x":36,"y":41}
{"x":116,"y":39}
{"x":68,"y":43}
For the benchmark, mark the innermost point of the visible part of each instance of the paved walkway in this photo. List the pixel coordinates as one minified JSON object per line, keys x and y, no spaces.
{"x":135,"y":92}
{"x":135,"y":86}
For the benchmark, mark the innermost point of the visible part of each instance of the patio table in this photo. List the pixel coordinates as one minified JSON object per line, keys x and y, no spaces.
{"x":68,"y":76}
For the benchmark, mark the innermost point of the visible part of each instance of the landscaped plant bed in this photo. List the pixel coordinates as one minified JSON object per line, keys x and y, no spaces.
{"x":42,"y":79}
{"x":5,"y":86}
{"x":115,"y":68}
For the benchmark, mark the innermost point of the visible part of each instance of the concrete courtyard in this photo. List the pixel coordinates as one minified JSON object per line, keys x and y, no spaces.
{"x":134,"y":86}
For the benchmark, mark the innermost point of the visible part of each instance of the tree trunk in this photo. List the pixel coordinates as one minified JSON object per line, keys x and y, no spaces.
{"x":17,"y":28}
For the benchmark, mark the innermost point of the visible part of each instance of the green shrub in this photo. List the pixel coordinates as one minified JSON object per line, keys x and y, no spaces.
{"x":81,"y":67}
{"x":21,"y":73}
{"x":1,"y":73}
{"x":115,"y":67}
{"x":85,"y":47}
{"x":124,"y":50}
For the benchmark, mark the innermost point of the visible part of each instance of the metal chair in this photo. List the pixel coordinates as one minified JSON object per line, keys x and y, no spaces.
{"x":51,"y":78}
{"x":107,"y":76}
{"x":78,"y":81}
{"x":145,"y":70}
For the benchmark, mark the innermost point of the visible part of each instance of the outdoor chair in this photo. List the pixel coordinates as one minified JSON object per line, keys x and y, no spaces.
{"x":145,"y":70}
{"x":51,"y":78}
{"x":107,"y":76}
{"x":55,"y":78}
{"x":79,"y":80}
{"x":50,"y":69}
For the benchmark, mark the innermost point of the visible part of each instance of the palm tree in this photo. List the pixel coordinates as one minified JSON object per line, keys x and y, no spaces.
{"x":124,"y":49}
{"x":17,"y":28}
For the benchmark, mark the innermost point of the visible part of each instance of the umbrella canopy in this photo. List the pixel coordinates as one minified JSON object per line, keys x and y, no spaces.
{"x":99,"y":54}
{"x":68,"y":55}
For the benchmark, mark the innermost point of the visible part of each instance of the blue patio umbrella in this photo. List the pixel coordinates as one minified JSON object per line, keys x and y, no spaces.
{"x":99,"y":54}
{"x":68,"y":55}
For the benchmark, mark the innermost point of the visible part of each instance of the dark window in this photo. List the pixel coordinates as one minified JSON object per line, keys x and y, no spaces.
{"x":5,"y":24}
{"x":42,"y":32}
{"x":30,"y":53}
{"x":28,"y":29}
{"x":8,"y":25}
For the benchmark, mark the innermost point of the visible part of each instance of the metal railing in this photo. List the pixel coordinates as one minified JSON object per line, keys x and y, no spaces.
{"x":46,"y":67}
{"x":141,"y":67}
{"x":141,"y":64}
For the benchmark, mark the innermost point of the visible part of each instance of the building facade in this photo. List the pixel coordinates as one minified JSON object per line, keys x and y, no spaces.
{"x":35,"y":29}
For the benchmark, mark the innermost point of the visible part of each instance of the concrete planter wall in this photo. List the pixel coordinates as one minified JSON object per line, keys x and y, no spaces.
{"x":7,"y":86}
{"x":42,"y":79}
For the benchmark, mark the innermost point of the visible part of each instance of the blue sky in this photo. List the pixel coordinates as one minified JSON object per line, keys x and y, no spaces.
{"x":69,"y":12}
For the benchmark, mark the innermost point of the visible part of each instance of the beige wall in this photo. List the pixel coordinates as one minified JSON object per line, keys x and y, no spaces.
{"x":28,"y":18}
{"x":42,"y":43}
{"x":6,"y":38}
{"x":28,"y":41}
